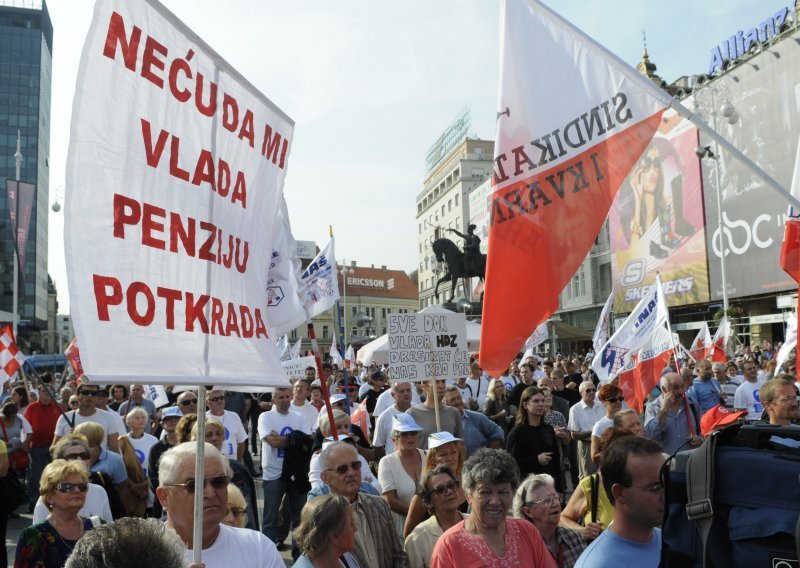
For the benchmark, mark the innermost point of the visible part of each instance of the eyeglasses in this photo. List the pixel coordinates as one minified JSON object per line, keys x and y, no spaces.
{"x":615,"y":399}
{"x":549,"y":500}
{"x":787,"y":399}
{"x":590,"y":390}
{"x":85,"y":392}
{"x":189,"y":401}
{"x":443,"y":489}
{"x":216,"y":398}
{"x":649,"y":162}
{"x":219,"y":482}
{"x":657,"y":487}
{"x":80,"y":456}
{"x":342,"y":469}
{"x":67,"y":487}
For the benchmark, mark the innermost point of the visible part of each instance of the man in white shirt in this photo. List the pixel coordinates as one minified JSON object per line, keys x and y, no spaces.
{"x":88,"y":412}
{"x":582,"y":417}
{"x":382,"y":437}
{"x":301,"y":406}
{"x":387,"y":400}
{"x":747,"y":397}
{"x":222,"y":545}
{"x":235,"y":434}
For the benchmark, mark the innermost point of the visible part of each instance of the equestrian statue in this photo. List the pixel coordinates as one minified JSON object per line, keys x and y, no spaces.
{"x":467,"y":264}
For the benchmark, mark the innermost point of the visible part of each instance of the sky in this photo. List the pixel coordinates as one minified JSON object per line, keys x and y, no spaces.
{"x":371,"y":85}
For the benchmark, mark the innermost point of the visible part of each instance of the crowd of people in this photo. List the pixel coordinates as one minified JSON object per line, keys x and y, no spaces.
{"x":541,"y":466}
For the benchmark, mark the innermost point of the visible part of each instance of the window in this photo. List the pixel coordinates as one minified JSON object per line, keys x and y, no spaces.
{"x":420,"y":248}
{"x":293,"y":335}
{"x":456,"y":198}
{"x":354,"y":310}
{"x":420,"y":228}
{"x":442,"y":209}
{"x":324,"y":332}
{"x":477,"y":172}
{"x":449,"y":204}
{"x":383,"y":314}
{"x":353,"y":331}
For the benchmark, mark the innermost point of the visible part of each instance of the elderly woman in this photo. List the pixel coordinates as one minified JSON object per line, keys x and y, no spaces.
{"x":611,"y":397}
{"x":438,"y":491}
{"x":215,"y":435}
{"x":533,"y":442}
{"x":443,"y":449}
{"x":75,"y":448}
{"x":326,"y":534}
{"x":142,"y":443}
{"x":488,"y":537}
{"x":496,"y":405}
{"x":537,"y":501}
{"x":399,"y":471}
{"x":63,"y":487}
{"x":237,"y":508}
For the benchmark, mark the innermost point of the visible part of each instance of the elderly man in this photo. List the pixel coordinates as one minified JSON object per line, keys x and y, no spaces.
{"x":672,"y":419}
{"x":235,"y":434}
{"x":727,"y":385}
{"x":631,"y":469}
{"x":425,"y":415}
{"x":377,"y":543}
{"x":705,"y":389}
{"x":746,"y":397}
{"x":582,"y":418}
{"x":88,"y":412}
{"x":382,"y":437}
{"x":223,"y":545}
{"x":137,"y":400}
{"x":187,"y":402}
{"x":479,"y":430}
{"x":779,"y":398}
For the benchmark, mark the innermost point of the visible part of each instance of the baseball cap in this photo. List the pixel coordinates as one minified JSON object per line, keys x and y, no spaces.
{"x":338,"y":397}
{"x":404,"y":423}
{"x":440,"y":439}
{"x":717,"y":417}
{"x":171,"y":412}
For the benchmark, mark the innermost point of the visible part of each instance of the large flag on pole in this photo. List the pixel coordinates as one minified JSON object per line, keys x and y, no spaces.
{"x":319,"y":288}
{"x":295,"y":349}
{"x":701,"y":343}
{"x":336,"y":356}
{"x":73,"y":355}
{"x":572,"y":121}
{"x":644,"y":372}
{"x":603,"y":324}
{"x":718,"y":352}
{"x":790,"y":251}
{"x":634,"y":333}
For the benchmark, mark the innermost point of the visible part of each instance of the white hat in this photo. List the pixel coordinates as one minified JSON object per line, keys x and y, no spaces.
{"x":404,"y":423}
{"x":440,"y":439}
{"x":338,"y":397}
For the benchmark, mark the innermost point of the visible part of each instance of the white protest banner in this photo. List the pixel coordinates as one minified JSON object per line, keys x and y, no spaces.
{"x":422,"y":346}
{"x":284,"y":308}
{"x":319,"y":288}
{"x":174,"y":181}
{"x":603,"y":324}
{"x":294,"y":350}
{"x":157,"y":395}
{"x":539,"y":336}
{"x":296,"y":368}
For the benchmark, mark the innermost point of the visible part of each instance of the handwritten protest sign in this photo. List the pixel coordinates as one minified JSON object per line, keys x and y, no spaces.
{"x":296,"y":368}
{"x":174,"y":182}
{"x":422,"y":346}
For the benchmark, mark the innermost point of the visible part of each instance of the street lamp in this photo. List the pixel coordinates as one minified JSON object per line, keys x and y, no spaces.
{"x":344,"y":270}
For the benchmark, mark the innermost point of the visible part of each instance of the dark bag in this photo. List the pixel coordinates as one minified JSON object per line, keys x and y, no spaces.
{"x":12,"y":493}
{"x":734,"y":501}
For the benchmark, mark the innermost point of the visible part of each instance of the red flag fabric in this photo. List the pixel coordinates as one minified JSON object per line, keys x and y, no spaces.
{"x":790,"y":250}
{"x":74,"y":356}
{"x":701,"y":343}
{"x":11,"y":358}
{"x":360,"y":417}
{"x":717,"y":353}
{"x":573,"y":120}
{"x":637,"y":381}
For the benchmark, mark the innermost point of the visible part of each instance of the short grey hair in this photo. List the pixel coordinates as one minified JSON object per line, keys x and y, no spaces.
{"x":134,"y":412}
{"x":325,"y":422}
{"x":491,"y":466}
{"x":325,"y":454}
{"x":120,"y":544}
{"x":533,"y":482}
{"x":585,"y":385}
{"x":321,"y":518}
{"x":171,"y":460}
{"x":401,"y":382}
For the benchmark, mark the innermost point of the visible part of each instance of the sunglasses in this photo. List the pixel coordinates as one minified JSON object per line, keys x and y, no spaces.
{"x":443,"y":489}
{"x":342,"y":469}
{"x":216,"y":398}
{"x":189,"y":401}
{"x":80,"y":456}
{"x":85,"y":392}
{"x":649,"y":162}
{"x":219,"y":482}
{"x":67,"y":487}
{"x":615,"y":399}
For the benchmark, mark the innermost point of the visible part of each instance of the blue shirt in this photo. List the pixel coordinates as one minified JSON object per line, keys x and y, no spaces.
{"x":675,"y":431}
{"x":705,"y":394}
{"x":112,"y":464}
{"x":610,"y":550}
{"x":479,"y":430}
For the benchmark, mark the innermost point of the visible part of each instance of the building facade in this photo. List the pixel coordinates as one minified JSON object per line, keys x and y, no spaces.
{"x":26,"y":48}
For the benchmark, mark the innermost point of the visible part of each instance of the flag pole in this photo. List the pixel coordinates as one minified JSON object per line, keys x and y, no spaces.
{"x":323,"y":383}
{"x":433,"y":389}
{"x":695,"y":119}
{"x":199,"y":475}
{"x":669,"y":327}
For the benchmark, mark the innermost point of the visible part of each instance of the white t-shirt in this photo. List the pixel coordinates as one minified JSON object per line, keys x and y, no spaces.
{"x":386,"y":400}
{"x":108,"y":420}
{"x":309,"y":413}
{"x":283,"y":425}
{"x":96,"y":504}
{"x":242,"y":548}
{"x":601,"y":426}
{"x":382,"y":437}
{"x":747,"y":397}
{"x":235,"y":433}
{"x":142,"y":446}
{"x":366,"y":473}
{"x":474,"y":389}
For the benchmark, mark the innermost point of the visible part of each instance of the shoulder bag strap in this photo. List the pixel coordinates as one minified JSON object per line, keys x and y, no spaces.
{"x":5,"y":434}
{"x":595,"y":485}
{"x":700,"y":490}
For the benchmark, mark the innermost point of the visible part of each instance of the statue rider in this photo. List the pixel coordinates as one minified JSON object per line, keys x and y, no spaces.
{"x":472,"y":251}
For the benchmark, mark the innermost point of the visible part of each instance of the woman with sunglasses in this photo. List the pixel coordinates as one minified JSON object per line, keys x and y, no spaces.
{"x":75,"y":448}
{"x":63,"y":488}
{"x":441,"y":494}
{"x":611,"y":397}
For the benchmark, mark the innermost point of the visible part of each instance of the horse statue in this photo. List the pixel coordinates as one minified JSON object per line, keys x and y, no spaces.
{"x":448,"y":252}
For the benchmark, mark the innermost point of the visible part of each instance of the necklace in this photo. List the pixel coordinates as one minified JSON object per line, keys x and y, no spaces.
{"x":66,"y":542}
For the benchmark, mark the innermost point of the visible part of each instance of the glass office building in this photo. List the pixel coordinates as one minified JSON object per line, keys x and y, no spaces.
{"x":26,"y":49}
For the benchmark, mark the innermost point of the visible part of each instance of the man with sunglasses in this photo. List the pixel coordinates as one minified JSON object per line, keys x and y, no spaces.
{"x":223,"y":545}
{"x":88,"y":412}
{"x":377,"y":542}
{"x":631,"y":473}
{"x":582,"y":417}
{"x":235,"y":434}
{"x":673,"y":419}
{"x":187,"y":402}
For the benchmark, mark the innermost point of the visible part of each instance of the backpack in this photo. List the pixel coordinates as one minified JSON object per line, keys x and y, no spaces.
{"x":734,"y":501}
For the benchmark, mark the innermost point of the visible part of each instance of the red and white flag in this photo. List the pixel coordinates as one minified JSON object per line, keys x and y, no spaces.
{"x":572,"y":120}
{"x":701,"y":343}
{"x":360,"y":417}
{"x":74,"y":357}
{"x":350,"y":357}
{"x":11,"y":358}
{"x":718,"y":352}
{"x":643,"y":374}
{"x":790,"y":251}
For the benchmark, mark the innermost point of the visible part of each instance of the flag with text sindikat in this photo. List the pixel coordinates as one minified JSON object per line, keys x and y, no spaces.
{"x":572,"y":120}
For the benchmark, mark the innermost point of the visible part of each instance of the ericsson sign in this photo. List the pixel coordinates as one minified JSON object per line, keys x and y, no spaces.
{"x":741,"y":42}
{"x":371,"y":283}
